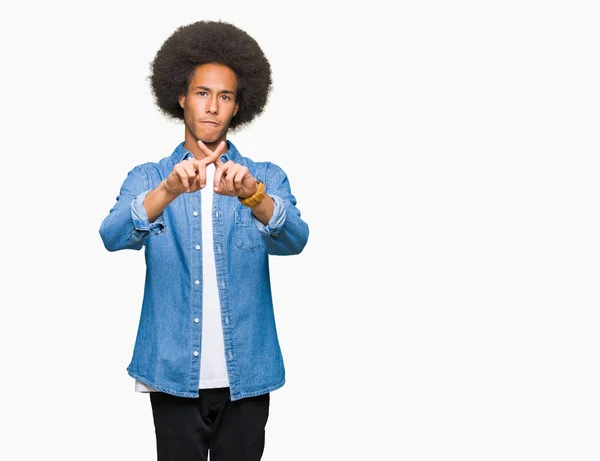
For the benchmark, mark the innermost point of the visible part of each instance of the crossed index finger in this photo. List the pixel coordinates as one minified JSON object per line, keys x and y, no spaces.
{"x":213,"y":157}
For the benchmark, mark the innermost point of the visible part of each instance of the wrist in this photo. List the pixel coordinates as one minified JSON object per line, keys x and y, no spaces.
{"x":169,"y":194}
{"x":248,"y":196}
{"x":256,"y":197}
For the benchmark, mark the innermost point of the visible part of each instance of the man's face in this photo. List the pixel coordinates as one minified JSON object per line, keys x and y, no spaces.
{"x":210,"y":103}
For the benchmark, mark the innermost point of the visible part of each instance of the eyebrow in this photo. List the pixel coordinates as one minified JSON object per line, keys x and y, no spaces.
{"x":199,"y":87}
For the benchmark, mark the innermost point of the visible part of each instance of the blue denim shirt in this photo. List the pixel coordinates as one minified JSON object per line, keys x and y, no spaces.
{"x":167,"y":355}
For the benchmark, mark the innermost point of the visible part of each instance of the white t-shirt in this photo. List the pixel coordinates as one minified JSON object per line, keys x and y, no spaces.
{"x":213,"y":369}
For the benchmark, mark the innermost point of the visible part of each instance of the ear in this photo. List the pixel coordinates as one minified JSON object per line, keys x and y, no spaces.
{"x":235,"y":111}
{"x":181,"y":100}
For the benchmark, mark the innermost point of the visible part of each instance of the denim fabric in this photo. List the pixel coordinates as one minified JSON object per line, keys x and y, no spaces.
{"x":166,"y":354}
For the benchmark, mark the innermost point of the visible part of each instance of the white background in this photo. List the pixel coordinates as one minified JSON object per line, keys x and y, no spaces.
{"x":445,"y":156}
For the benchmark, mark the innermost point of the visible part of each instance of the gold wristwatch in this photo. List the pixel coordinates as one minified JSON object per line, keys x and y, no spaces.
{"x":256,"y":197}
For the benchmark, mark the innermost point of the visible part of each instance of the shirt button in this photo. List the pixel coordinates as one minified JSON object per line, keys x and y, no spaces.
{"x":196,"y":282}
{"x":195,"y":353}
{"x":197,"y":247}
{"x":195,"y":213}
{"x":196,"y":320}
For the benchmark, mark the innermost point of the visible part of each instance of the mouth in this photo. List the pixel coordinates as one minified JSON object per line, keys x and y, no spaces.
{"x":209,"y":122}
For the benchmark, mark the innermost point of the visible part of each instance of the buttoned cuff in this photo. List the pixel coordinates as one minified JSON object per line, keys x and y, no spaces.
{"x":273,"y":227}
{"x":140,"y":216}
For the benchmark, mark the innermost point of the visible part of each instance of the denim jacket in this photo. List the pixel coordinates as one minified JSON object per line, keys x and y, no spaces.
{"x":166,"y":355}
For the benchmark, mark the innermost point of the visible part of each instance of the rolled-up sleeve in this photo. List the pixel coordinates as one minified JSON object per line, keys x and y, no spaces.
{"x":127,"y":225}
{"x":275,"y":224}
{"x":285,"y":233}
{"x":140,"y":215}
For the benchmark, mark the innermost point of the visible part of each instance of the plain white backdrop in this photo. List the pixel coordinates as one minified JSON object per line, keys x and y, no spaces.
{"x":445,"y":156}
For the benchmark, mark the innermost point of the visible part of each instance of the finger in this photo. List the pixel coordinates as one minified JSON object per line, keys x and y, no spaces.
{"x":200,"y":168}
{"x":187,"y":172}
{"x":196,"y":181}
{"x":213,"y":157}
{"x":229,"y":177}
{"x":190,"y":170}
{"x":220,"y":173}
{"x":221,"y":149}
{"x":182,"y":176}
{"x":237,"y":178}
{"x":205,"y":150}
{"x":240,"y":176}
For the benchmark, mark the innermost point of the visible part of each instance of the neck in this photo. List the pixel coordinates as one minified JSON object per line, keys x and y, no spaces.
{"x":191,"y":144}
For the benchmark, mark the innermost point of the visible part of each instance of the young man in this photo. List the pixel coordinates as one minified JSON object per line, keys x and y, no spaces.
{"x":207,"y":349}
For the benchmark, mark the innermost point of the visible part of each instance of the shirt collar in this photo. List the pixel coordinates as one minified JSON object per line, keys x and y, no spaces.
{"x":181,"y":153}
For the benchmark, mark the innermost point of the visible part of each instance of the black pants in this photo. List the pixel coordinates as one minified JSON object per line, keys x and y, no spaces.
{"x":187,"y":428}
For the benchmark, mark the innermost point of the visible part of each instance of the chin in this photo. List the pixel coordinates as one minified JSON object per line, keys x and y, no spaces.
{"x":207,"y":139}
{"x":210,"y":138}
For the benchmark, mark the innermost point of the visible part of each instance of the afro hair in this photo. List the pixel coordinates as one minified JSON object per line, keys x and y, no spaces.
{"x":215,"y":42}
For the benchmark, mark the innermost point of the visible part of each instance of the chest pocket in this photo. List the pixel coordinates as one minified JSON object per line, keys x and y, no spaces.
{"x":246,"y":236}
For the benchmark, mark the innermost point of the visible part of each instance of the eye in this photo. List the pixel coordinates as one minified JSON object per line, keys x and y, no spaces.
{"x":201,"y":93}
{"x":226,"y":97}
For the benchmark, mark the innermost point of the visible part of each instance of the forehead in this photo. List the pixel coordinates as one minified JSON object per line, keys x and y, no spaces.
{"x":214,"y":76}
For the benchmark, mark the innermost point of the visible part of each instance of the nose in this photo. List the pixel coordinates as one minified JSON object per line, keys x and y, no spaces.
{"x":212,"y":106}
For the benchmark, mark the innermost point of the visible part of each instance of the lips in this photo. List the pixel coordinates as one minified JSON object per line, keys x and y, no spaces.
{"x":209,"y":122}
